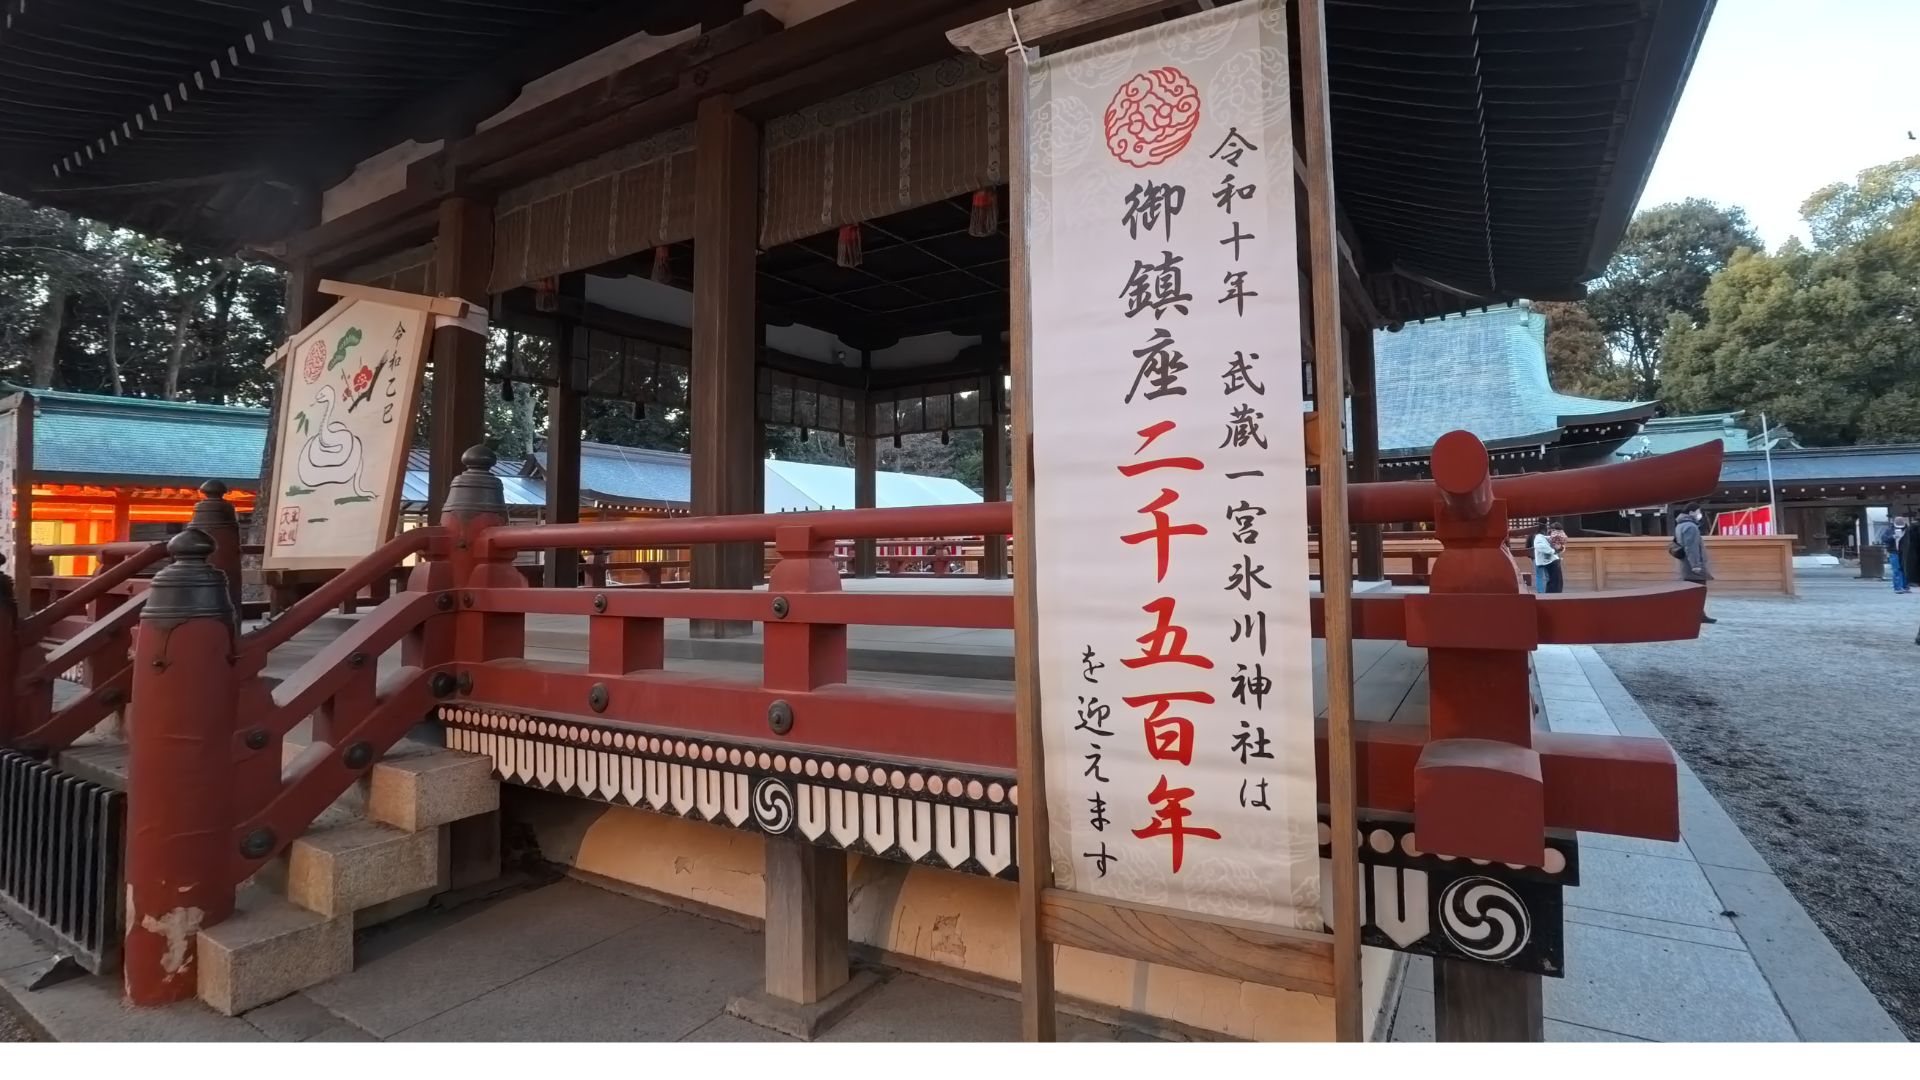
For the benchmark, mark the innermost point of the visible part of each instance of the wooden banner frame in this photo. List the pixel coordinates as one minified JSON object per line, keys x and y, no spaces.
{"x":439,"y":311}
{"x":1326,"y":964}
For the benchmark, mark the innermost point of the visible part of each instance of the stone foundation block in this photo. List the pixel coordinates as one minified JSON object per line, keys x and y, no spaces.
{"x":270,"y":948}
{"x":429,"y":789}
{"x":341,"y":870}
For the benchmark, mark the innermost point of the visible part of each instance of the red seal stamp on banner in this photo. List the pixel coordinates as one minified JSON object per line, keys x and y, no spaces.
{"x":1152,"y":117}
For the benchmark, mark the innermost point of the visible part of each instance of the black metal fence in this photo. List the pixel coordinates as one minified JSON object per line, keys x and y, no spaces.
{"x":62,"y":856}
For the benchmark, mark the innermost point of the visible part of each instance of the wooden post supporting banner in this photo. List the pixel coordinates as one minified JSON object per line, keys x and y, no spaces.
{"x":1336,"y":580}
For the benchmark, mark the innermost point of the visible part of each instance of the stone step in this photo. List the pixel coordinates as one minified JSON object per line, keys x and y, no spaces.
{"x":417,"y":787}
{"x":268,"y":949}
{"x":348,"y":867}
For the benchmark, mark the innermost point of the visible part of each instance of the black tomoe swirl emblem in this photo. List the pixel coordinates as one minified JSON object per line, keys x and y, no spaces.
{"x":772,"y":805}
{"x":1484,"y":919}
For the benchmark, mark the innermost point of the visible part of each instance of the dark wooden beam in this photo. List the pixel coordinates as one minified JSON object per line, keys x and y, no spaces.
{"x":463,"y":262}
{"x":765,"y":68}
{"x":563,"y":444}
{"x":726,"y":216}
{"x":1366,"y":440}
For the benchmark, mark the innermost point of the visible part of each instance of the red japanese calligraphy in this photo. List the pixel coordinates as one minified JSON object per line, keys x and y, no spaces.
{"x":1166,"y":643}
{"x":1169,"y":738}
{"x":1149,"y":434}
{"x":1170,"y":820}
{"x":1163,"y":530}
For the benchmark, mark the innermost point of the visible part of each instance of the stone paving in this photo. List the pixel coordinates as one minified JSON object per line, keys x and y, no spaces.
{"x":1693,"y":941}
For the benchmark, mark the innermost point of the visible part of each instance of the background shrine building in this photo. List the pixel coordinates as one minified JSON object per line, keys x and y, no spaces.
{"x":1485,"y":370}
{"x":792,"y":212}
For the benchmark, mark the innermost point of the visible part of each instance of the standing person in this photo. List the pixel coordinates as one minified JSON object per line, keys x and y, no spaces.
{"x":1546,"y":560}
{"x":1907,"y":558}
{"x":1891,"y":541}
{"x":1691,"y":549}
{"x":1556,"y":570}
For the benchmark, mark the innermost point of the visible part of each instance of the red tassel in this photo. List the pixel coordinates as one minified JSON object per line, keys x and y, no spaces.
{"x":546,"y":295}
{"x":985,"y":218}
{"x":848,"y":254}
{"x":660,"y":271}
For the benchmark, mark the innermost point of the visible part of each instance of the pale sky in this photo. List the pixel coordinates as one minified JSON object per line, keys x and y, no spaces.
{"x":1787,"y":96}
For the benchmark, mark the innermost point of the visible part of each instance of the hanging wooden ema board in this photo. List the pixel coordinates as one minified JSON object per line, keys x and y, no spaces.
{"x":1167,"y":653}
{"x":349,"y":385}
{"x":16,"y":487}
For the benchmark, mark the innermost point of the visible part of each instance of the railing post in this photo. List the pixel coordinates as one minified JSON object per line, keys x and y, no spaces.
{"x":214,"y":515}
{"x":806,"y":884}
{"x":9,"y":656}
{"x":179,"y":773}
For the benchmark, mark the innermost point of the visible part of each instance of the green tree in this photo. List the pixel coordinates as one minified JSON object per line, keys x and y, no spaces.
{"x":1661,"y":269}
{"x":1578,"y":359}
{"x":1826,"y":341}
{"x":1841,"y":214}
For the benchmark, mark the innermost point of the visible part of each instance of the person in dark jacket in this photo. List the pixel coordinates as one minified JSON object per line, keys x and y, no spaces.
{"x":1693,"y":550}
{"x":1907,"y":554}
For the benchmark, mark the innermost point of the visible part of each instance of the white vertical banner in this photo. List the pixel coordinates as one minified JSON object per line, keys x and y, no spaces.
{"x":1175,"y":644}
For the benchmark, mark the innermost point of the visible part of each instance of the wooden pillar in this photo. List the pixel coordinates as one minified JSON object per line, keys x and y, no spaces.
{"x":1366,"y":444}
{"x":122,"y":515}
{"x":866,"y":457}
{"x":806,"y":919}
{"x":993,"y":484}
{"x":563,"y":442}
{"x":725,"y":232}
{"x":463,"y":264}
{"x":304,"y":303}
{"x":1476,"y":1002}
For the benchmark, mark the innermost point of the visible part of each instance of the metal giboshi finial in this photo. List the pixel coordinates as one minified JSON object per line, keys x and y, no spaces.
{"x":477,"y":490}
{"x":188,"y":588}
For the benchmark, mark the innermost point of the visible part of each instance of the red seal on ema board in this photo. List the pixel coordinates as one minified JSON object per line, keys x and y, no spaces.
{"x":316,"y":361}
{"x":1152,"y":117}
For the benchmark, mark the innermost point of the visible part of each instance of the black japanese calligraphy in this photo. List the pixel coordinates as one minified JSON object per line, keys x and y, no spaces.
{"x":1237,"y":291}
{"x":1239,"y":374}
{"x":1153,"y":206}
{"x":1160,"y":367}
{"x":1155,"y":287}
{"x":1093,"y":716}
{"x":1244,"y":576}
{"x":1232,"y":147}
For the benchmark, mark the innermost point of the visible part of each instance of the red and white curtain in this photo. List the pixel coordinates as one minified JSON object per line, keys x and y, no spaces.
{"x":1755,"y":522}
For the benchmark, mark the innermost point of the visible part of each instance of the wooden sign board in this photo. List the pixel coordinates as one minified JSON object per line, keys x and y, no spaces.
{"x":16,"y":487}
{"x":349,"y":385}
{"x":1140,"y":133}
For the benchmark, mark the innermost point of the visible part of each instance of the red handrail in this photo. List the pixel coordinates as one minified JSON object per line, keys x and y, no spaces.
{"x":972,"y":519}
{"x":344,"y":585}
{"x":139,"y":558}
{"x":1667,"y":478}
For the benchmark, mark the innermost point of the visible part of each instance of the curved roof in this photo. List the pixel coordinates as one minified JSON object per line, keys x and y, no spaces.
{"x":101,"y":439}
{"x":623,"y":475}
{"x":1484,"y":149}
{"x":1485,"y":371}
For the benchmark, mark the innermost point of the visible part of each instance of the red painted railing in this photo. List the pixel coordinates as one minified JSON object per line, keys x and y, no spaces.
{"x":210,"y":800}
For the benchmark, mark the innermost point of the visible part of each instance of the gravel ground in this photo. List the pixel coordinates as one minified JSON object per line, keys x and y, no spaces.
{"x":1803,"y":717}
{"x":11,"y":1031}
